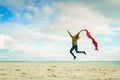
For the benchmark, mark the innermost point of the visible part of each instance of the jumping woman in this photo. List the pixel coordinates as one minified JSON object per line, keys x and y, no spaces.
{"x":74,"y":44}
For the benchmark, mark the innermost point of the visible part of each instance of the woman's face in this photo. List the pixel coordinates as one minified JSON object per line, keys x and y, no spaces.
{"x":75,"y":34}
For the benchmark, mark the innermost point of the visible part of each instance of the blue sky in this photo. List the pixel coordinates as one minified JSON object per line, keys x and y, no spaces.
{"x":35,"y":30}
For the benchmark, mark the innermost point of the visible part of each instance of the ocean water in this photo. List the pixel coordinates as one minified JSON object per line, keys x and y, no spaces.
{"x":67,"y":62}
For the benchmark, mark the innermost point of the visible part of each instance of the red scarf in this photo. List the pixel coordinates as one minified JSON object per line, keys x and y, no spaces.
{"x":93,"y":40}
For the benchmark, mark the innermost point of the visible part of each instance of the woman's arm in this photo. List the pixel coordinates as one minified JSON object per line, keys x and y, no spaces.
{"x":78,"y":33}
{"x":69,"y":33}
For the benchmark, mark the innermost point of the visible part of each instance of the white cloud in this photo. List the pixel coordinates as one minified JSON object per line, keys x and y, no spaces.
{"x":28,"y":16}
{"x":115,"y":3}
{"x":48,"y":10}
{"x":77,"y":16}
{"x":34,"y":9}
{"x":48,"y":50}
{"x":1,"y":42}
{"x":24,"y":35}
{"x":19,"y":4}
{"x":51,"y":50}
{"x":31,"y":34}
{"x":6,"y":39}
{"x":111,"y":49}
{"x":103,"y":54}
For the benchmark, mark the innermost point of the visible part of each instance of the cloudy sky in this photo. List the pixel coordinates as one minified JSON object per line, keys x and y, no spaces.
{"x":35,"y":30}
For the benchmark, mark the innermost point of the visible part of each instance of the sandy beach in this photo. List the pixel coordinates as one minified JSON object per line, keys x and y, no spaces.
{"x":36,"y":71}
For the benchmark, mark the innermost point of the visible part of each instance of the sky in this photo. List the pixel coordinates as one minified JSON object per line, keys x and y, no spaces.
{"x":36,"y":30}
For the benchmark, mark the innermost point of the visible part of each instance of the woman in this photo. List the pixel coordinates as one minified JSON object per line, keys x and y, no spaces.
{"x":74,"y":44}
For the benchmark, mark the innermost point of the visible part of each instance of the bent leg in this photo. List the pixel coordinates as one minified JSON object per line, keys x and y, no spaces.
{"x":76,"y":49}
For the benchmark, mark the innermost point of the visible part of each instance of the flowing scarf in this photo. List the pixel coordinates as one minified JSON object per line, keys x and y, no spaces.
{"x":89,"y":36}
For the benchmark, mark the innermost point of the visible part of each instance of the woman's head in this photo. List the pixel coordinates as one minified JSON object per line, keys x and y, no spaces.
{"x":77,"y":36}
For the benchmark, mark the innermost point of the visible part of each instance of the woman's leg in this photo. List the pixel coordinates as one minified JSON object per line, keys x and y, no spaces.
{"x":72,"y":52}
{"x":76,"y":49}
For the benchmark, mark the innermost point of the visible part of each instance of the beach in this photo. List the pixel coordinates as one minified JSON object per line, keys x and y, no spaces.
{"x":52,"y":71}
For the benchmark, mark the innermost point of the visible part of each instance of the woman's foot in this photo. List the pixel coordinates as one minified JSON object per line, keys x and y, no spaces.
{"x":75,"y":57}
{"x":84,"y":52}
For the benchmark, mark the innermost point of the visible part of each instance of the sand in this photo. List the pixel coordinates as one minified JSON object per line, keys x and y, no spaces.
{"x":36,"y":71}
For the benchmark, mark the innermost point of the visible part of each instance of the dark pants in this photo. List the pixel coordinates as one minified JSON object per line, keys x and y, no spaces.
{"x":76,"y":49}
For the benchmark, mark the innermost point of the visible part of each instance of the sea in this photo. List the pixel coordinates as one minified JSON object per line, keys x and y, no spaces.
{"x":66,"y":62}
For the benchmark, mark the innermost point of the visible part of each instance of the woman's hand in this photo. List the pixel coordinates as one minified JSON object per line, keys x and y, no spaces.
{"x":67,"y":30}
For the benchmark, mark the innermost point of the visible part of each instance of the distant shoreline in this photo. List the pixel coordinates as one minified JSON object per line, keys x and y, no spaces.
{"x":67,"y":62}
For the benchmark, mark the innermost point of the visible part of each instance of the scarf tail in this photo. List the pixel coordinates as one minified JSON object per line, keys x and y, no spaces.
{"x":93,"y":40}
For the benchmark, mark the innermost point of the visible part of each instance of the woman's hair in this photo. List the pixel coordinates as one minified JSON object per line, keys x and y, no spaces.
{"x":75,"y":35}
